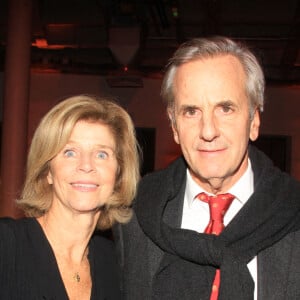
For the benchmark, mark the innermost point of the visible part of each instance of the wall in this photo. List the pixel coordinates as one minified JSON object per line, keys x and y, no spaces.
{"x":281,"y":115}
{"x":143,"y":104}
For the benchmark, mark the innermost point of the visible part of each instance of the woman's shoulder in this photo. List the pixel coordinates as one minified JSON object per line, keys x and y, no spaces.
{"x":103,"y":250}
{"x":105,"y":266}
{"x":12,"y":230}
{"x":7,"y":221}
{"x":7,"y":226}
{"x":11,"y":224}
{"x":8,"y":239}
{"x":102,"y":242}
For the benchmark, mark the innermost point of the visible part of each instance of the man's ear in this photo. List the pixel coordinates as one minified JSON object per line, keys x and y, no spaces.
{"x":173,"y":125}
{"x":254,"y":126}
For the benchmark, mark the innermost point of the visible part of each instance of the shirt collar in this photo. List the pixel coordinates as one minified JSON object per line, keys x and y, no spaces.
{"x":242,"y":189}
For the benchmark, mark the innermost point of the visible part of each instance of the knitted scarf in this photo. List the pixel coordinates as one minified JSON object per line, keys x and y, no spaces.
{"x":191,"y":258}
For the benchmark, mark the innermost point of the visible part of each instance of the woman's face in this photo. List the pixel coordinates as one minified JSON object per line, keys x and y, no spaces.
{"x":83,"y":173}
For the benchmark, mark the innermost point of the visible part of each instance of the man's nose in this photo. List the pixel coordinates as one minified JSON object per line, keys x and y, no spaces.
{"x":209,"y":126}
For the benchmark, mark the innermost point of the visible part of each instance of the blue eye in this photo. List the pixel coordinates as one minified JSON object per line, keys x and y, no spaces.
{"x":102,"y":155}
{"x":69,"y":153}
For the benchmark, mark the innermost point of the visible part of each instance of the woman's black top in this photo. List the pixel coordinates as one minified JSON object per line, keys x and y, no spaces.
{"x":29,"y":271}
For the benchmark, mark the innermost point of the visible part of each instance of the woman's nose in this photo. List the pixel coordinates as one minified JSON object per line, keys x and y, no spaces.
{"x":86,"y":163}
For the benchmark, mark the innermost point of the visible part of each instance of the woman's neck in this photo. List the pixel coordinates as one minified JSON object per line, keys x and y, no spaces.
{"x":69,"y":237}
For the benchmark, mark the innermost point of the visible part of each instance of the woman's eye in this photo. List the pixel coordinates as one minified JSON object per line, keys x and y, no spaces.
{"x":102,"y":155}
{"x":69,"y":153}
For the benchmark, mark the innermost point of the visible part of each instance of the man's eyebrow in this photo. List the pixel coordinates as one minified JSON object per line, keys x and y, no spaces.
{"x":187,"y":106}
{"x":227,"y":102}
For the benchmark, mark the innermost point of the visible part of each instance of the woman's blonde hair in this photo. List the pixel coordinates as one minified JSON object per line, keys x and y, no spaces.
{"x":51,"y":136}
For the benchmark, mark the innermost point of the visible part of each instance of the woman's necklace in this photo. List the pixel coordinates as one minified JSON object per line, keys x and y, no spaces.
{"x":61,"y":261}
{"x":76,"y":277}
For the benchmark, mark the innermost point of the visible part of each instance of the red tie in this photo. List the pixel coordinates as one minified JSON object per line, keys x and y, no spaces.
{"x":218,"y":206}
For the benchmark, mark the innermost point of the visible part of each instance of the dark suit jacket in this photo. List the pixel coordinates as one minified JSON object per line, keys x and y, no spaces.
{"x":278,"y":275}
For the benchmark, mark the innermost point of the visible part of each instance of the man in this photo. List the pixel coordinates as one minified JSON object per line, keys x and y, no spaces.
{"x":214,"y":91}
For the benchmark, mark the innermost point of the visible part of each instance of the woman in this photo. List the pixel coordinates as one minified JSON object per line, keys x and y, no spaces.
{"x":82,"y":172}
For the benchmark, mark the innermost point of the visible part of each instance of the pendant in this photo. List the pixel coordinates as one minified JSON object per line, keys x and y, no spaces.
{"x":76,"y":277}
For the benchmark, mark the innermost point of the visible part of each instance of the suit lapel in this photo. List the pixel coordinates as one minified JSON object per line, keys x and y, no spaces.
{"x":172,"y":217}
{"x":274,"y":270}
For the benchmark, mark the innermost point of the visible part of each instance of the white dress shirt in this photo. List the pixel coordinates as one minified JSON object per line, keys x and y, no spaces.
{"x":196,"y":213}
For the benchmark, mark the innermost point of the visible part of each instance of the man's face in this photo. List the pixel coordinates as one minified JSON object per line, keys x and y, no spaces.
{"x":211,"y":120}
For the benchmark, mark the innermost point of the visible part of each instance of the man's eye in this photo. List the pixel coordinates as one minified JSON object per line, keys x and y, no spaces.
{"x":69,"y":153}
{"x":226,"y":108}
{"x":102,"y":155}
{"x":190,"y":112}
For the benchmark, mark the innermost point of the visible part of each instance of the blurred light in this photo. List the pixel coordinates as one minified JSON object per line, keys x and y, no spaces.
{"x":40,"y":43}
{"x":175,"y":12}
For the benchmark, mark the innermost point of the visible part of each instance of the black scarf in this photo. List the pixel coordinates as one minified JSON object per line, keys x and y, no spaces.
{"x":191,"y":258}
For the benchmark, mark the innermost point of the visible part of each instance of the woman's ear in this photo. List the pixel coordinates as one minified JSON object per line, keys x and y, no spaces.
{"x":49,"y":177}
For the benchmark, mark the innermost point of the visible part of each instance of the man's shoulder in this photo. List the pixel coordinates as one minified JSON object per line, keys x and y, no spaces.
{"x":175,"y":168}
{"x":265,"y":171}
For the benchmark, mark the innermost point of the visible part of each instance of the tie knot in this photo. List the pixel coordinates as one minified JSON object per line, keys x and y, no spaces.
{"x":218,"y":205}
